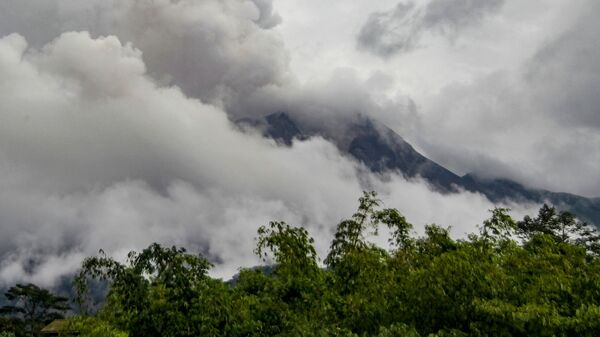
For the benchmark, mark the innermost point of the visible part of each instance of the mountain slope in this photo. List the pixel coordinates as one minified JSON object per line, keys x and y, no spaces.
{"x":383,"y":150}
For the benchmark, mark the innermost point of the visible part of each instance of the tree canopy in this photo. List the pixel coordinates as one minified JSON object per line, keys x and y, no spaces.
{"x":539,"y":276}
{"x":30,"y":308}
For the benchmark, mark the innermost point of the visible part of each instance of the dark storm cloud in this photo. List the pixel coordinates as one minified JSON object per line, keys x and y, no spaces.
{"x":402,"y":28}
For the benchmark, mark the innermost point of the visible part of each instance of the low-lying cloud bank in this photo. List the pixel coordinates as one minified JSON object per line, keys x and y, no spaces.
{"x":96,"y":153}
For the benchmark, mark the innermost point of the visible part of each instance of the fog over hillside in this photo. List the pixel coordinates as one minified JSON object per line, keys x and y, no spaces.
{"x":117,"y":117}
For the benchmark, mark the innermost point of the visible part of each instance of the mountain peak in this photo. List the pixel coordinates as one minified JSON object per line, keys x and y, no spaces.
{"x":281,"y":128}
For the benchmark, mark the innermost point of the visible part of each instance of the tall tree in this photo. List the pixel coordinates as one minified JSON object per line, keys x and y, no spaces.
{"x":32,"y":307}
{"x":158,"y":292}
{"x":563,"y":227}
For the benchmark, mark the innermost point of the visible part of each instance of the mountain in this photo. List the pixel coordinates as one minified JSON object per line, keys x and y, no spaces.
{"x":383,"y":150}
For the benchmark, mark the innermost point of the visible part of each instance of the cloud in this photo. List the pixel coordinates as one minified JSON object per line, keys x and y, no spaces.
{"x":214,"y":50}
{"x":115,"y":127}
{"x":332,"y":106}
{"x":267,"y":17}
{"x":538,"y":124}
{"x":402,"y":29}
{"x":223,"y":52}
{"x":386,"y":33}
{"x":565,"y":73}
{"x":81,"y":128}
{"x":95,"y":153}
{"x":454,"y":15}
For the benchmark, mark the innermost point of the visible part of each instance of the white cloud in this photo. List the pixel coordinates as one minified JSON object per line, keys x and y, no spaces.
{"x":95,"y":154}
{"x":215,"y":50}
{"x":514,"y":97}
{"x":120,"y":137}
{"x":537,"y":123}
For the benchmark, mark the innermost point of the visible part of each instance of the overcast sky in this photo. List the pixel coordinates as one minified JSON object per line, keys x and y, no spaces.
{"x":502,"y":88}
{"x":115,"y":116}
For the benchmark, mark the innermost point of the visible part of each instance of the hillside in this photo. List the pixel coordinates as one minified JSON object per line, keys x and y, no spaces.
{"x":383,"y":150}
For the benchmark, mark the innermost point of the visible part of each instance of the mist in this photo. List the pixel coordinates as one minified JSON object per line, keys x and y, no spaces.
{"x":98,"y":154}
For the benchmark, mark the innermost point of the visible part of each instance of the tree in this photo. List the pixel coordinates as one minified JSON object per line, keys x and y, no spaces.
{"x":350,"y":233}
{"x":360,"y":271}
{"x":563,"y":227}
{"x":490,"y":284}
{"x":292,"y":247}
{"x":500,"y":227}
{"x":157,"y":293}
{"x":32,"y":307}
{"x":92,"y":327}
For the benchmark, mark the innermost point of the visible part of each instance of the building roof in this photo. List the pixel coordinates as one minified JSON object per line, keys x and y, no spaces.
{"x":57,"y":326}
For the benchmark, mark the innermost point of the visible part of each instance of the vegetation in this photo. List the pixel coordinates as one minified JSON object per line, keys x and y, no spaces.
{"x":535,"y":277}
{"x":31,"y":308}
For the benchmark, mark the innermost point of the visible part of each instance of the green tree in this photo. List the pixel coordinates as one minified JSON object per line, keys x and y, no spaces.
{"x":562,"y":226}
{"x":361,"y":276}
{"x":291,"y":247}
{"x":157,"y":293}
{"x":31,"y":308}
{"x":500,"y":227}
{"x":350,"y":234}
{"x":489,"y":284}
{"x":92,"y":327}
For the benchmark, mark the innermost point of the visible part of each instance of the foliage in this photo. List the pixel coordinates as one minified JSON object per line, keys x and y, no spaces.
{"x":535,"y":277}
{"x":562,"y":227}
{"x":159,"y":292}
{"x":93,"y":327}
{"x":292,"y":247}
{"x":31,"y":308}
